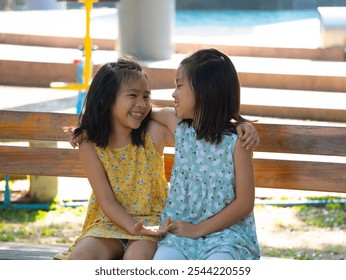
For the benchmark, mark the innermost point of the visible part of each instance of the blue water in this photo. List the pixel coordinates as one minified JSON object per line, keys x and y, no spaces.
{"x":240,"y":18}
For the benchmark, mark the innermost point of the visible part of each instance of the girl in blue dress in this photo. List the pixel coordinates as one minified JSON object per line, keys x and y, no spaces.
{"x":212,"y":192}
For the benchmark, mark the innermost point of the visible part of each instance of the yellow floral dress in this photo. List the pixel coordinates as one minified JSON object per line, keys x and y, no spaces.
{"x":136,"y":175}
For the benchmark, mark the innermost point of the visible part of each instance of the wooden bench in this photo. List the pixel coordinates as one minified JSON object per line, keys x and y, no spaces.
{"x":290,"y":156}
{"x":272,"y":169}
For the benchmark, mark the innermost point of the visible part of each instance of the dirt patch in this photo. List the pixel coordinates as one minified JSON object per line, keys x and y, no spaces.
{"x":282,"y":233}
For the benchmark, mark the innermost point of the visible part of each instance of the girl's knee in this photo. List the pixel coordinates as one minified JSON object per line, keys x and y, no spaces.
{"x":80,"y":253}
{"x":138,"y":255}
{"x":91,"y":248}
{"x":221,"y":256}
{"x":140,"y":250}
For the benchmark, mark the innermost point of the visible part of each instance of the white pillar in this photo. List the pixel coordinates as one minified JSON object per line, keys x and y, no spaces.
{"x":146,"y":28}
{"x":45,"y":5}
{"x":333,"y":26}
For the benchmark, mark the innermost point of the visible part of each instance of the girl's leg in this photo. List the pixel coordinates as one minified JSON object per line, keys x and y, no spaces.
{"x":94,"y":248}
{"x":140,"y":250}
{"x":221,"y":256}
{"x":165,"y":252}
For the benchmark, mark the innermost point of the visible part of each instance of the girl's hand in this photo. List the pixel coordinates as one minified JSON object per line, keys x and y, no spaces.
{"x":248,"y":134}
{"x":165,"y":227}
{"x":69,"y":130}
{"x":140,"y":229}
{"x":184,"y":229}
{"x":76,"y":140}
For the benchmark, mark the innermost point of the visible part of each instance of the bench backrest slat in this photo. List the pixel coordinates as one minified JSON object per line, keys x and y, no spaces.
{"x":283,"y":174}
{"x":302,"y":139}
{"x":35,"y":125}
{"x":300,"y":175}
{"x":41,"y":161}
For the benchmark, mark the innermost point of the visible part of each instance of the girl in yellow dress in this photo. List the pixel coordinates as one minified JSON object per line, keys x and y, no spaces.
{"x":121,"y":151}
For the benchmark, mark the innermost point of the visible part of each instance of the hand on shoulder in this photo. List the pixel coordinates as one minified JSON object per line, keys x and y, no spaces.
{"x":248,"y":135}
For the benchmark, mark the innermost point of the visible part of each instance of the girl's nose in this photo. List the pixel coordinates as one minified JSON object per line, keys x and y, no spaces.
{"x":141,"y":102}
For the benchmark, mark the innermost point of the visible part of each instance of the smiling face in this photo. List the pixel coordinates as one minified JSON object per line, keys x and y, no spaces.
{"x":131,"y":106}
{"x":184,"y":97}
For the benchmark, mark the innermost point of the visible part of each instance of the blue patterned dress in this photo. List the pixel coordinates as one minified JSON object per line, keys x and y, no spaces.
{"x":202,"y":185}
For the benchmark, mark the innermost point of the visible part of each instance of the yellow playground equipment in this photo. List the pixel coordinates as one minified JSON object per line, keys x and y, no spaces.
{"x":88,"y":5}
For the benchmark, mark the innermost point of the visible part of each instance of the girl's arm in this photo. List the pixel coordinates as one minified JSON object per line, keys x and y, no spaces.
{"x":161,"y":135}
{"x":104,"y":193}
{"x":165,"y":116}
{"x":237,"y":210}
{"x":246,"y":131}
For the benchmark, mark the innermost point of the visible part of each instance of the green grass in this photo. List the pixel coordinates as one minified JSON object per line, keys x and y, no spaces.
{"x":21,"y":215}
{"x":45,"y":231}
{"x":328,"y":253}
{"x":330,"y":216}
{"x":12,"y":233}
{"x":58,"y":225}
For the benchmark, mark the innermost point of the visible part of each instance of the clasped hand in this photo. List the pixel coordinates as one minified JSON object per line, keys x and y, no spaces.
{"x":184,"y":229}
{"x":176,"y":227}
{"x":140,"y":229}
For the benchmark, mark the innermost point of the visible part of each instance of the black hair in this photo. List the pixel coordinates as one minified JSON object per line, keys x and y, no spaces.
{"x":96,"y":116}
{"x":216,"y":87}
